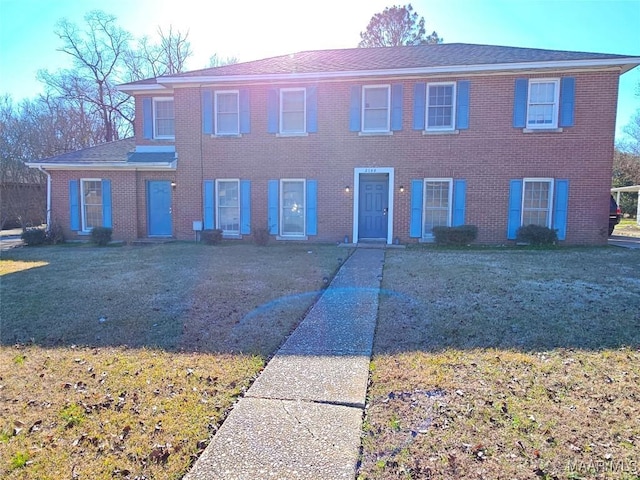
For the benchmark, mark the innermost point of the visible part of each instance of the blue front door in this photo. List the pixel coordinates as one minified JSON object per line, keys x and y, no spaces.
{"x":373,"y":203}
{"x":159,"y":203}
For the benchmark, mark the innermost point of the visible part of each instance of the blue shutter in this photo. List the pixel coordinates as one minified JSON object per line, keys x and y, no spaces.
{"x":354,"y":108}
{"x":74,"y":204}
{"x":245,"y":207}
{"x":272,"y":206}
{"x":560,"y":208}
{"x":515,"y":206}
{"x":419,"y":105}
{"x":312,"y":207}
{"x":312,"y":109}
{"x":207,"y":111}
{"x":272,"y":110}
{"x":396,"y":107}
{"x":245,"y":114}
{"x":567,"y":102}
{"x":462,"y":105}
{"x":415,"y":228}
{"x":520,"y":96}
{"x":147,"y":117}
{"x":208,"y":191}
{"x":106,"y":203}
{"x":459,"y":200}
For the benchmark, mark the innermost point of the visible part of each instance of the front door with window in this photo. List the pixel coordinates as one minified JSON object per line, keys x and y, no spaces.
{"x":159,"y":203}
{"x":373,"y":206}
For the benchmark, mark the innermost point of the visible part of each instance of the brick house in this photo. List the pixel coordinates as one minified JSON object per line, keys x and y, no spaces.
{"x":368,"y":144}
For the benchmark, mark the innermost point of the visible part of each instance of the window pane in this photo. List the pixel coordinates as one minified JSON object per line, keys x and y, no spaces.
{"x":293,"y":111}
{"x":440,"y":108}
{"x":227,"y":123}
{"x":92,"y":203}
{"x":536,"y":203}
{"x":436,"y":211}
{"x":293,"y":208}
{"x":376,"y":97}
{"x":227,"y":113}
{"x":164,"y":118}
{"x":293,"y":122}
{"x":375,"y":119}
{"x":228,"y":207}
{"x":540,"y":114}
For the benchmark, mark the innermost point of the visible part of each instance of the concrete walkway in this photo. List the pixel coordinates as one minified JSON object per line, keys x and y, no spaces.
{"x":302,"y":417}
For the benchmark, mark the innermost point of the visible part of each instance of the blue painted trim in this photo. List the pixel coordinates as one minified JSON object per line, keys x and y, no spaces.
{"x":106,"y":204}
{"x":273,"y":187}
{"x":272,"y":110}
{"x":207,"y":111}
{"x":74,"y":204}
{"x":208,"y":192}
{"x":415,"y":227}
{"x":520,"y":96}
{"x":312,"y":207}
{"x":462,"y":104}
{"x":567,"y":101}
{"x":459,"y":201}
{"x":147,"y":117}
{"x":245,"y":112}
{"x":245,"y":207}
{"x":561,"y":208}
{"x":312,"y":109}
{"x":396,"y":107}
{"x":354,"y":108}
{"x":515,"y":209}
{"x":419,"y":105}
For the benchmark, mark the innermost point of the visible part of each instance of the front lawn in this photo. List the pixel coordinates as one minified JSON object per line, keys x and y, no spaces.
{"x":121,"y":362}
{"x":506,"y":364}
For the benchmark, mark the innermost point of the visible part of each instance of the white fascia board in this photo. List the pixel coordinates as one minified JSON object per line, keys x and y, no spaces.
{"x":105,"y":166}
{"x":144,"y":88}
{"x":625,"y":63}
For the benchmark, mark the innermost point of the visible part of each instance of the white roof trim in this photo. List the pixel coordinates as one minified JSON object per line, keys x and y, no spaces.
{"x":106,"y":166}
{"x":629,"y":62}
{"x":144,"y":87}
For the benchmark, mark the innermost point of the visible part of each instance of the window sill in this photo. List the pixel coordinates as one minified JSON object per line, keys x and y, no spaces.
{"x":231,"y":236}
{"x":292,"y":237}
{"x":226,"y":135}
{"x":374,"y":134}
{"x":163,"y":139}
{"x":285,"y":135}
{"x":542,"y":130}
{"x":440,"y":132}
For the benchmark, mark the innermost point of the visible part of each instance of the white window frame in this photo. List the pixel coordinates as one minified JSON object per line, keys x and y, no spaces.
{"x":218,"y":206}
{"x":283,"y":234}
{"x":364,"y":108}
{"x":556,"y":104}
{"x":453,"y":108}
{"x":157,"y":100}
{"x":284,"y":91}
{"x":85,"y":228}
{"x":215,"y":112}
{"x":549,"y":207}
{"x":424,"y":202}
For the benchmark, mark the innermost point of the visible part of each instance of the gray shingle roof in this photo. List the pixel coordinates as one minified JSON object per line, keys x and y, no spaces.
{"x":106,"y":152}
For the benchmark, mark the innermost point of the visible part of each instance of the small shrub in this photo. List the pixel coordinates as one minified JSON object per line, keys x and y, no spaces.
{"x":460,"y":235}
{"x":34,"y":236}
{"x":55,"y":233}
{"x":212,"y":237}
{"x":261,"y":236}
{"x":101,"y":235}
{"x":19,"y":460}
{"x":536,"y":235}
{"x":72,"y":415}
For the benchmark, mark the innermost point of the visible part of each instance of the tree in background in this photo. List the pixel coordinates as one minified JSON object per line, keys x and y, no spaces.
{"x":167,"y":57}
{"x":216,"y":61}
{"x":395,"y":26}
{"x":626,"y":163}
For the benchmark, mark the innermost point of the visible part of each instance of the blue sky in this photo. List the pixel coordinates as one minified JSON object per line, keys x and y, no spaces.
{"x":252,"y":29}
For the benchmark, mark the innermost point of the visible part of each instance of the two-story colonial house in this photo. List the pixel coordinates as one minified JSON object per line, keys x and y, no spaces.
{"x":377,"y":144}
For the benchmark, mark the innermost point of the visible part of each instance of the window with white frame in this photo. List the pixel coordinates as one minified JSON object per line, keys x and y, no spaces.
{"x":537,"y":201}
{"x":375,"y":108}
{"x":441,"y":106}
{"x":163,"y":118}
{"x":227,"y":113}
{"x":91,"y":194}
{"x":228,"y":202}
{"x":292,"y":110}
{"x":292,"y":207}
{"x":542,"y":106}
{"x":437,"y":204}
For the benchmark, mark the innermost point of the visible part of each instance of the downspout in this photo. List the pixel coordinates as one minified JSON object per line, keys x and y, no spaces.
{"x":48,"y":197}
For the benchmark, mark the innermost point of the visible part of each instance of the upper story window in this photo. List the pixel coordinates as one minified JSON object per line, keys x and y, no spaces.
{"x":163,"y":118}
{"x":441,"y":106}
{"x":542,"y":103}
{"x":293,"y":110}
{"x":375,"y":108}
{"x":227,"y":113}
{"x":537,"y":201}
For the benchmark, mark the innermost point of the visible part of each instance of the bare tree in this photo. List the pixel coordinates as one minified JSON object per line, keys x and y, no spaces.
{"x":216,"y":61}
{"x":395,"y":26}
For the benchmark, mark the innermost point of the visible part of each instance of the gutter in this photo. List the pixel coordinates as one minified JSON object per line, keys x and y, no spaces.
{"x":48,"y":196}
